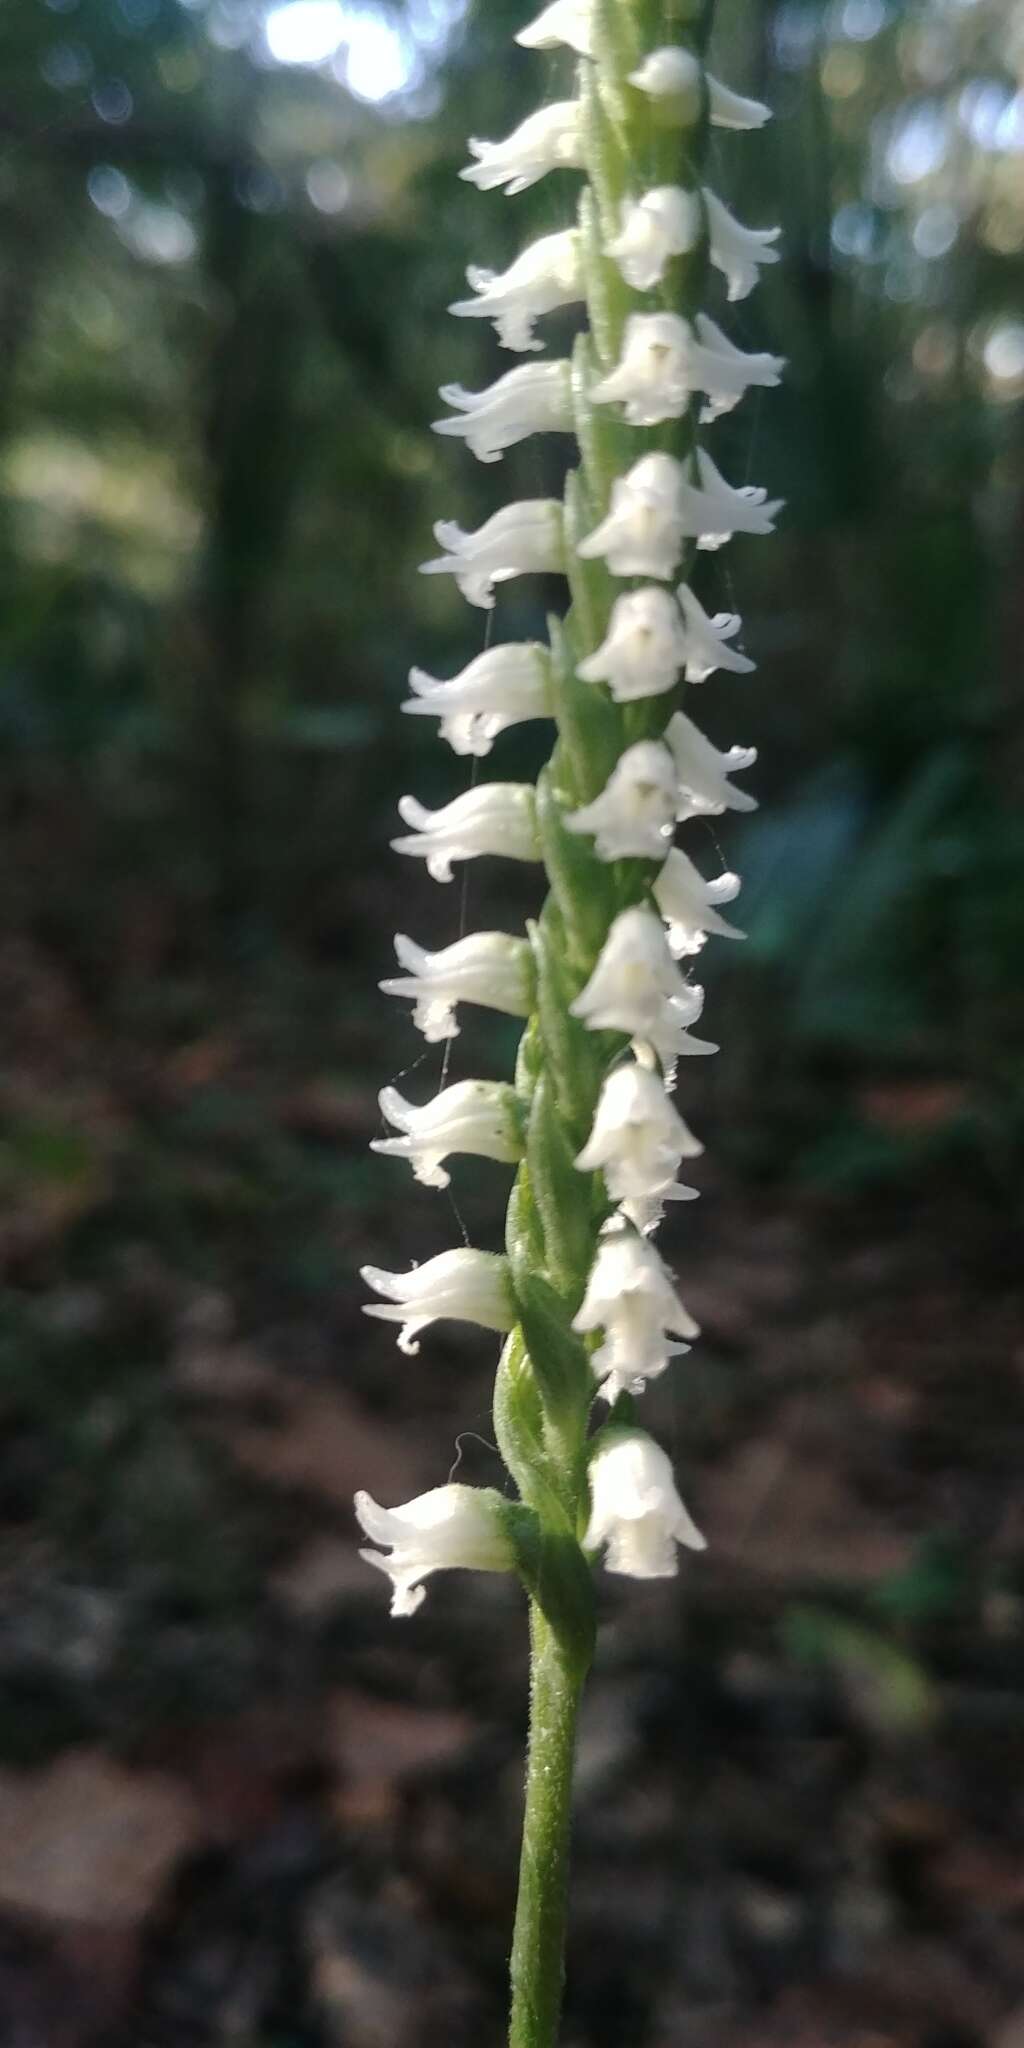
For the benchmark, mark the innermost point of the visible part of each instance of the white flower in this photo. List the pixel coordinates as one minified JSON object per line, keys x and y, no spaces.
{"x":499,"y":817}
{"x":704,"y":786}
{"x":735,"y":250}
{"x":535,"y":398}
{"x":477,"y":1117}
{"x":687,"y":901}
{"x":635,"y":814}
{"x":662,"y":364}
{"x":521,"y":538}
{"x":671,"y":78}
{"x":503,"y":686}
{"x":637,"y":1141}
{"x":488,"y":968}
{"x":631,"y":1298}
{"x":636,"y":987}
{"x":712,"y":510}
{"x":448,"y":1528}
{"x":547,"y":274}
{"x":463,"y":1286}
{"x":644,"y":649}
{"x":666,"y":222}
{"x":565,"y":21}
{"x":706,"y":637}
{"x":652,"y":377}
{"x":642,"y":534}
{"x":549,"y":140}
{"x":635,"y":1509}
{"x":725,"y":372}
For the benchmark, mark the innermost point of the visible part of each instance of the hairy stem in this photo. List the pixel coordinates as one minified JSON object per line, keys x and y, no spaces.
{"x":538,"y":1941}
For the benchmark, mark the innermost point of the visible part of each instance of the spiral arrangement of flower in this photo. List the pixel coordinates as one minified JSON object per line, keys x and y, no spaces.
{"x":588,"y":1308}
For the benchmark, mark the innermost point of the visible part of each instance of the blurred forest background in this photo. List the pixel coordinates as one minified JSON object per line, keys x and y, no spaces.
{"x":238,"y":1805}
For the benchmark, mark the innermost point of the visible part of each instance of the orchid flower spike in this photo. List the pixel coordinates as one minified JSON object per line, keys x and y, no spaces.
{"x":480,"y":1118}
{"x":536,"y":398}
{"x":498,"y":817}
{"x":488,"y":968}
{"x":504,"y":686}
{"x":462,"y":1286}
{"x":448,"y":1528}
{"x":602,"y":974}
{"x":631,"y":1298}
{"x":548,"y":274}
{"x":688,"y":904}
{"x":635,"y":1511}
{"x":637,"y":988}
{"x":521,"y":539}
{"x":549,"y":140}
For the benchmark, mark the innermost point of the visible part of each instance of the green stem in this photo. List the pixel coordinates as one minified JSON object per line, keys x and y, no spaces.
{"x":538,"y":1941}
